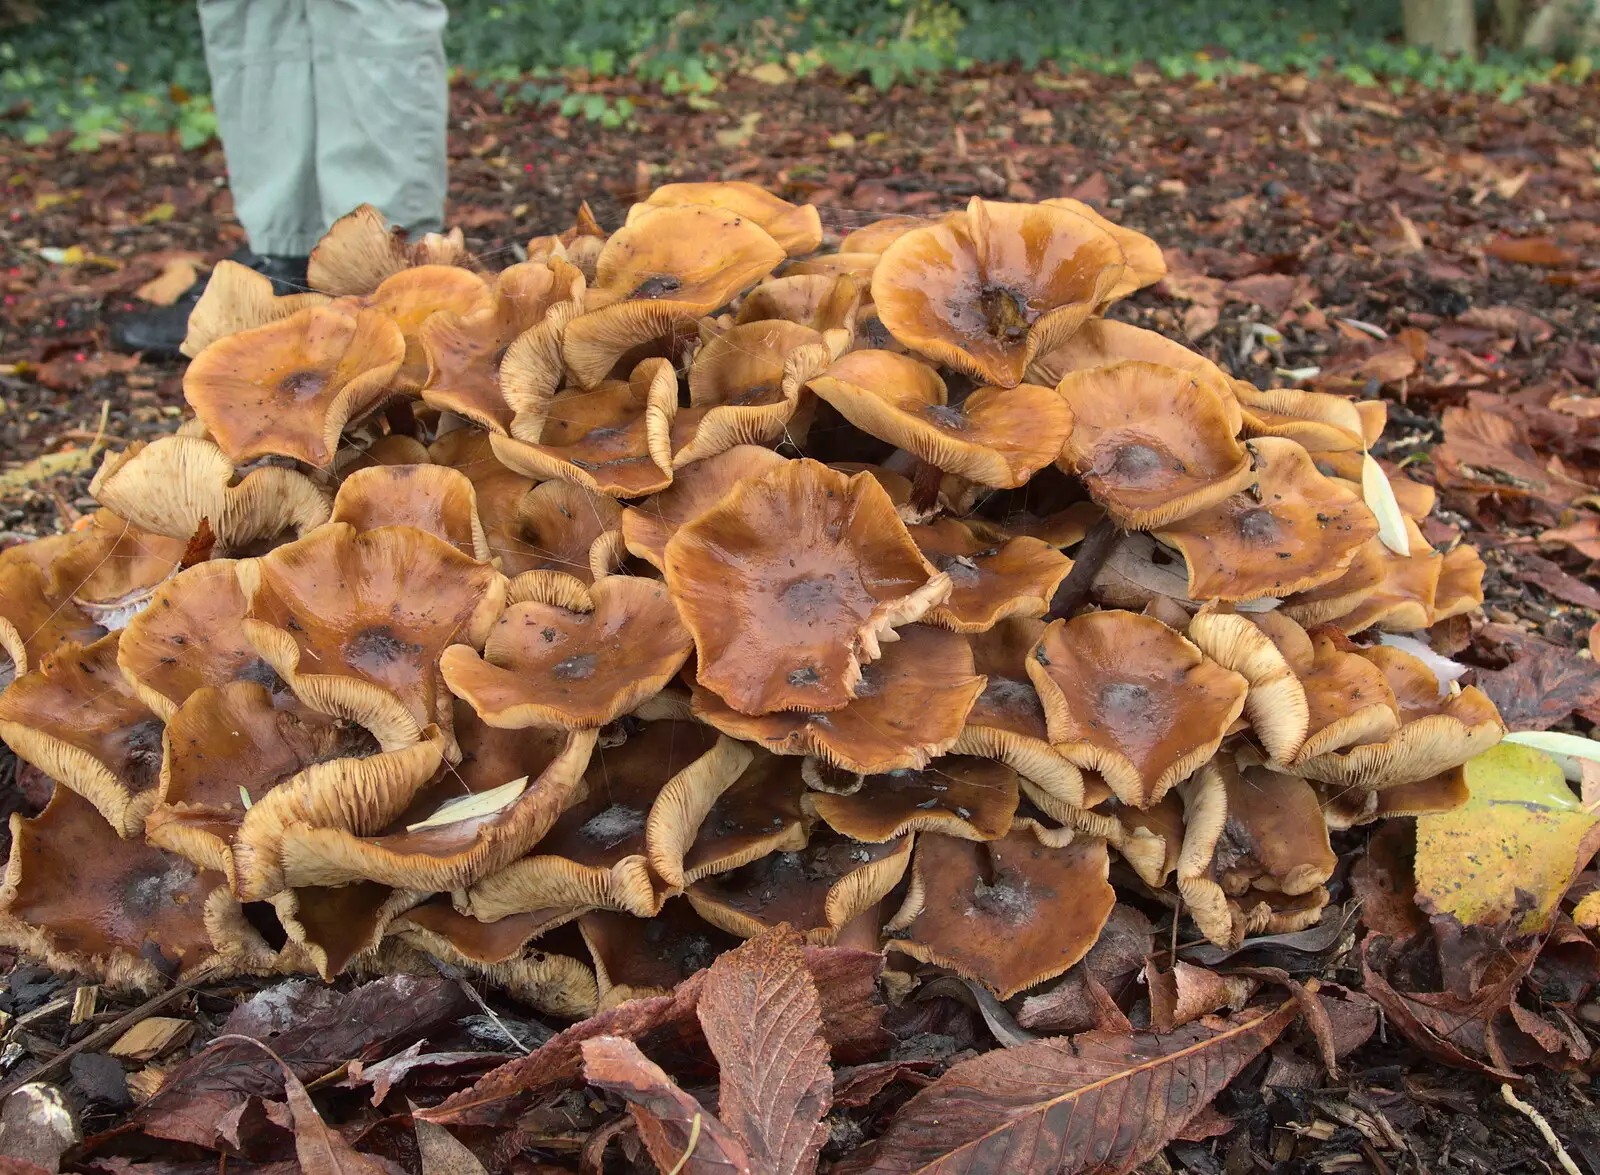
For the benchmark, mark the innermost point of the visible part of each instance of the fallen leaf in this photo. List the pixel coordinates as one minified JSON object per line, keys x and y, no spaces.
{"x":385,"y":1075}
{"x":761,"y":1016}
{"x":166,"y":287}
{"x":1095,"y":1102}
{"x":741,"y":135}
{"x":1531,"y":251}
{"x":1485,"y":453}
{"x":1582,"y":536}
{"x":859,"y":1084}
{"x":770,"y":73}
{"x":1442,"y":1026}
{"x":442,"y":1153}
{"x":680,"y":1134}
{"x":1559,"y":583}
{"x":1507,"y":320}
{"x":1542,"y":685}
{"x":1380,"y":499}
{"x":1186,"y":992}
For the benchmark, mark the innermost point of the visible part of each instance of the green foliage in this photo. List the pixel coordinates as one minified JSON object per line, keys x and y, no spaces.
{"x":98,"y":68}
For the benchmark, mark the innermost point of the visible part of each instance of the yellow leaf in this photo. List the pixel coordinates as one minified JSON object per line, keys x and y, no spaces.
{"x":770,"y":73}
{"x":1512,"y":851}
{"x":474,"y":806}
{"x":165,"y":289}
{"x":743,"y":134}
{"x":842,"y":141}
{"x":163,"y":211}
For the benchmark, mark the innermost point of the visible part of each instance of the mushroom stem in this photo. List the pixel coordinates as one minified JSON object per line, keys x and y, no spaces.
{"x":925,"y":487}
{"x":1091,"y":557}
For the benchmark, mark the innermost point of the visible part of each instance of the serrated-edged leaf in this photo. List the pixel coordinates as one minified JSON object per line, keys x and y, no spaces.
{"x":762,"y":1017}
{"x":1099,"y":1101}
{"x":1375,"y":488}
{"x":470,"y":807}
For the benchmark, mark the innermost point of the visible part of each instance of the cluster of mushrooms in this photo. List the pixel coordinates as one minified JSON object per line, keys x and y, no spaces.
{"x":570,"y":623}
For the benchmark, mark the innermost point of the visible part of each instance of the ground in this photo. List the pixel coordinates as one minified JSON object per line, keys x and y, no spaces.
{"x":1442,"y":252}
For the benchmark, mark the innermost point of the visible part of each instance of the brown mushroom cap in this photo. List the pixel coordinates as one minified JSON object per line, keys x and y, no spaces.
{"x":111,"y":569}
{"x":731,"y":805}
{"x":1415,"y":499}
{"x":818,"y":890}
{"x":1274,"y":838}
{"x":594,"y":855}
{"x":84,"y":899}
{"x":986,"y":292}
{"x":815,"y":300}
{"x":744,"y":387}
{"x":1404,"y":599}
{"x":412,"y":296}
{"x":989,"y":580}
{"x":1341,"y":596}
{"x":336,"y":926}
{"x":996,"y":436}
{"x":797,"y":228}
{"x":956,"y":795}
{"x":172,"y":484}
{"x":1348,"y":699}
{"x":545,"y":665}
{"x":1009,"y":913}
{"x":355,"y":622}
{"x":1128,"y":697}
{"x":909,"y":706}
{"x":36,"y":618}
{"x":361,"y":250}
{"x":290,"y":387}
{"x":880,"y":234}
{"x":552,"y":527}
{"x":1152,"y":443}
{"x":1318,"y":421}
{"x":1460,"y":587}
{"x":615,"y":439}
{"x":635,"y":958}
{"x":789,"y":583}
{"x":1292,"y":531}
{"x":1276,"y":704}
{"x":75,"y":718}
{"x":647,"y":526}
{"x":1144,"y":263}
{"x":238,"y":298}
{"x":666,"y":267}
{"x":431,"y":498}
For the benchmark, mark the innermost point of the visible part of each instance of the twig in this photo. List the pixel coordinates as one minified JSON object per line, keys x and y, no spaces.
{"x":472,"y":994}
{"x":1537,"y":1119}
{"x":1092,"y":555}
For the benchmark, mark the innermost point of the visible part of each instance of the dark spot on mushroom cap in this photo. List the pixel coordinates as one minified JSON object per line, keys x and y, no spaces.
{"x":658,"y":286}
{"x":303,"y":385}
{"x":1258,"y":526}
{"x":945,"y":417}
{"x":376,"y":648}
{"x":575,"y":668}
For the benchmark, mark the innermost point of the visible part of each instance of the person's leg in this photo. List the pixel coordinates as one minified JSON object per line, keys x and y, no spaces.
{"x":382,"y":104}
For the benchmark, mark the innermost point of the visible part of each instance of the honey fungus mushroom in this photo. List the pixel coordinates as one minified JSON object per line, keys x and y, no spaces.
{"x":431,"y":498}
{"x":37,"y":614}
{"x":989,"y":581}
{"x":957,"y":795}
{"x":789,"y":584}
{"x":649,"y":524}
{"x":361,"y":250}
{"x":797,"y":228}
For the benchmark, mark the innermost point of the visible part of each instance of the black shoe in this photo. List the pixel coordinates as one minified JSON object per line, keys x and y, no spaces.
{"x":159,"y":331}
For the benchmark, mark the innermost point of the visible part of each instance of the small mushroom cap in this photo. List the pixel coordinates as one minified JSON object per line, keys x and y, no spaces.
{"x":551,"y":527}
{"x":635,"y":958}
{"x":1318,"y":421}
{"x":731,"y":805}
{"x":1404,"y":599}
{"x":989,"y":581}
{"x":880,"y":234}
{"x":615,"y":439}
{"x":818,"y":890}
{"x":355,"y":622}
{"x":816,"y":300}
{"x":1348,"y":699}
{"x":1341,"y":596}
{"x":956,"y":795}
{"x":744,"y":387}
{"x":111,"y":569}
{"x":361,"y":250}
{"x":1276,"y":704}
{"x":84,"y":899}
{"x":290,"y":387}
{"x":1126,"y":696}
{"x":1293,"y":531}
{"x":1460,"y":587}
{"x":545,"y":665}
{"x":789,"y":583}
{"x":594,"y":855}
{"x":35,"y":617}
{"x":854,"y":265}
{"x":1444,"y":792}
{"x":1274,"y":838}
{"x":1102,"y":342}
{"x":431,"y":498}
{"x":648,"y":525}
{"x":987,"y":291}
{"x":336,"y":926}
{"x":75,"y":718}
{"x":192,"y":635}
{"x":412,"y":296}
{"x":1152,"y":444}
{"x":797,"y":228}
{"x":996,"y":436}
{"x":1144,"y":263}
{"x":172,"y":484}
{"x":1008,"y":913}
{"x":238,"y":298}
{"x":910,"y":705}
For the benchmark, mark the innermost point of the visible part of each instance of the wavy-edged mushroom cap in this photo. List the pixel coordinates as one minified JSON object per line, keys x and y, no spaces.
{"x":474,"y":818}
{"x":814,"y":300}
{"x":1205,"y":816}
{"x":336,"y":926}
{"x":880,"y":234}
{"x":635,"y":958}
{"x":1341,"y":596}
{"x":594,"y":855}
{"x":615,"y":439}
{"x":1007,"y":721}
{"x":1404,"y":599}
{"x":1460,"y":587}
{"x":170,"y":485}
{"x":1126,"y":696}
{"x":1292,"y":531}
{"x":1152,"y":443}
{"x":238,"y":298}
{"x":909,"y":706}
{"x":191,"y":636}
{"x":1008,"y":913}
{"x":1415,"y":499}
{"x":225,"y":748}
{"x":956,"y":795}
{"x":84,"y":899}
{"x":547,"y":665}
{"x":36,"y":617}
{"x":1269,"y":659}
{"x":1436,"y":732}
{"x":1348,"y":700}
{"x":986,"y":292}
{"x":290,"y":387}
{"x":1144,"y":263}
{"x":648,"y":525}
{"x":731,"y":805}
{"x":1317,"y":421}
{"x":355,"y":621}
{"x":75,"y":718}
{"x":744,"y":387}
{"x":989,"y":580}
{"x":667,"y":267}
{"x":1147,"y":839}
{"x":1275,"y":838}
{"x":500,"y":953}
{"x":789,"y":583}
{"x":464,"y":350}
{"x":551,"y":527}
{"x":580,"y":243}
{"x":111,"y":569}
{"x":361,"y":250}
{"x":796,"y":227}
{"x":412,"y":296}
{"x":431,"y":498}
{"x":996,"y":436}
{"x":818,"y":890}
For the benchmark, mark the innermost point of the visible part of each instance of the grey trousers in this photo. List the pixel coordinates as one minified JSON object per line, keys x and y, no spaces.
{"x":327,"y":104}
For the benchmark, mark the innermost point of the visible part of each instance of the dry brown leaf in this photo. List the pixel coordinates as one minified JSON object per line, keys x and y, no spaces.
{"x":176,"y":276}
{"x":1096,"y":1102}
{"x":441,"y":1153}
{"x":1531,"y":251}
{"x":1187,"y":992}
